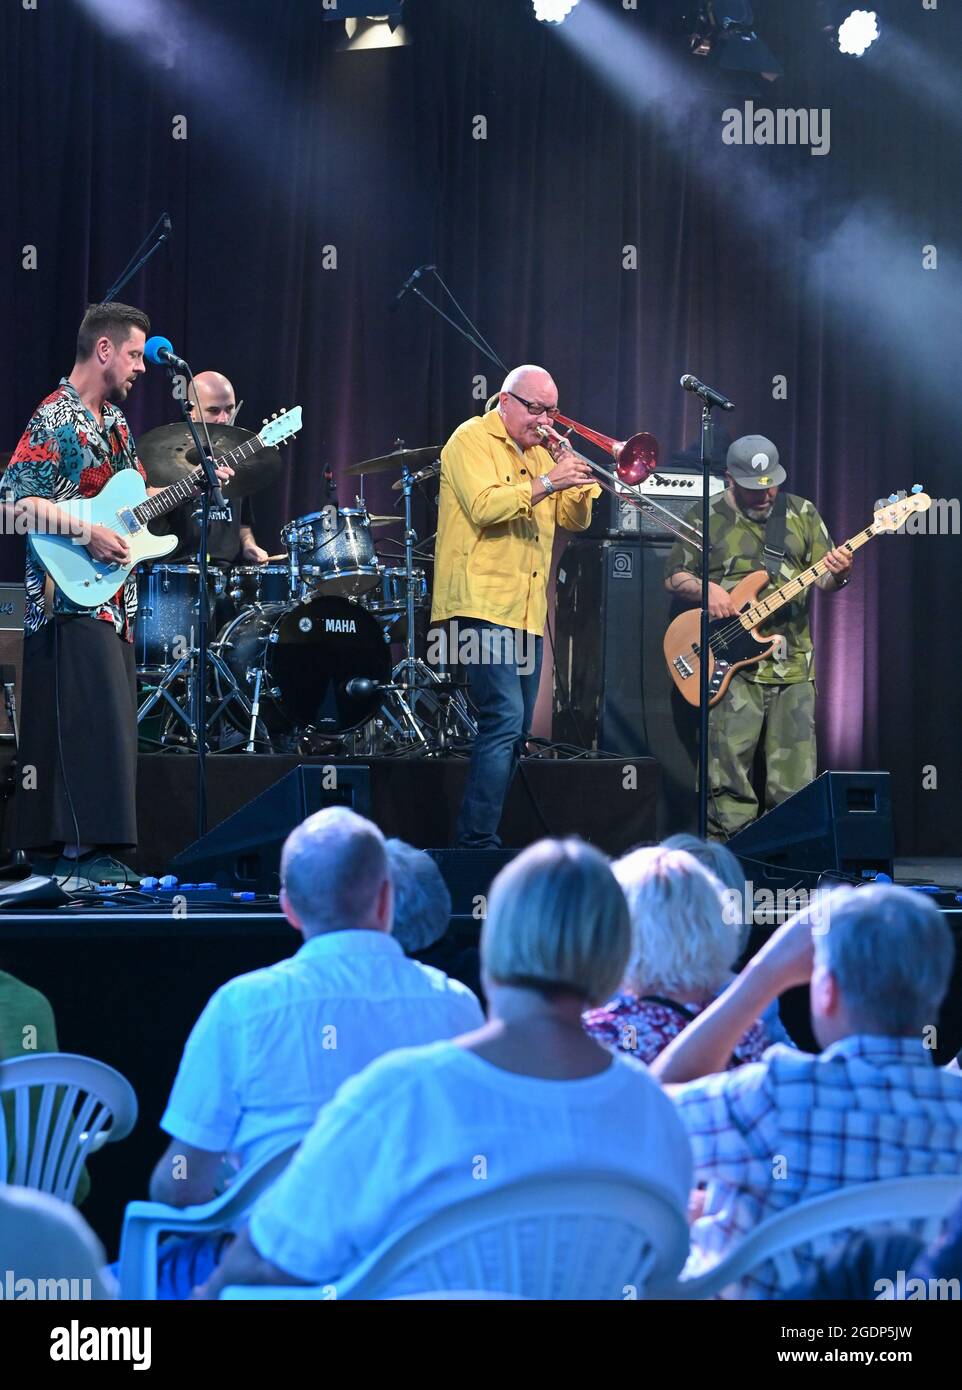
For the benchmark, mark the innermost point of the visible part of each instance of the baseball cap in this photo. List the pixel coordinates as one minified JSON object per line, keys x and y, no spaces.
{"x":753,"y":463}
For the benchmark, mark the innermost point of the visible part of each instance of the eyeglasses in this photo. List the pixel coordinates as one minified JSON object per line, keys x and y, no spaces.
{"x":535,"y":407}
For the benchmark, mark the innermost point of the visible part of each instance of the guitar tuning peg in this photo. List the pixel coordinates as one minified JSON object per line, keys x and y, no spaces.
{"x":893,"y":497}
{"x":916,"y":487}
{"x":264,"y":421}
{"x":274,"y":416}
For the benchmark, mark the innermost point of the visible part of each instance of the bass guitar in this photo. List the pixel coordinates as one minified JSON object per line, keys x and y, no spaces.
{"x":735,"y":642}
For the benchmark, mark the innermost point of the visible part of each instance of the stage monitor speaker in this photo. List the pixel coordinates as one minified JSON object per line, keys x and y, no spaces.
{"x":243,"y":852}
{"x":468,"y":874}
{"x":839,"y":824}
{"x":612,"y":691}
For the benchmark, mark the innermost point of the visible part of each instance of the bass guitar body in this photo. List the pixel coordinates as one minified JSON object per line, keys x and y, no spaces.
{"x":731,"y":645}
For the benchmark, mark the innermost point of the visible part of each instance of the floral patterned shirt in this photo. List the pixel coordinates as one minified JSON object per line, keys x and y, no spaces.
{"x":630,"y":1023}
{"x":64,"y":454}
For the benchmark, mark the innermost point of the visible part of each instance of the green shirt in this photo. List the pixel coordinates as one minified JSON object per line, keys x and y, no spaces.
{"x":27,"y":1028}
{"x":737,"y":546}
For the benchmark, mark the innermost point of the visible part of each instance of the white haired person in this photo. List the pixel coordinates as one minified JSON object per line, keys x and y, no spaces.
{"x":719,"y":860}
{"x":684,"y":946}
{"x":422,"y":916}
{"x":529,"y":1093}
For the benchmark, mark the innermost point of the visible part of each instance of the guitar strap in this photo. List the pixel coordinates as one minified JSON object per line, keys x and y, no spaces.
{"x":774,"y":551}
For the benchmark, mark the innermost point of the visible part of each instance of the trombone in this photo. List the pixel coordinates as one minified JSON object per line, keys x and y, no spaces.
{"x":636,"y":459}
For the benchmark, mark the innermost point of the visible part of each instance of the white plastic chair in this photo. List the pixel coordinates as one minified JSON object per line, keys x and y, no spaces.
{"x":922,"y":1202}
{"x":144,"y":1222}
{"x":82,"y":1104}
{"x":591,"y":1235}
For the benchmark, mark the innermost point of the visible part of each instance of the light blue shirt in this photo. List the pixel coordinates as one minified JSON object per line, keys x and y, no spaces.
{"x":428,"y":1127}
{"x":273,"y":1046}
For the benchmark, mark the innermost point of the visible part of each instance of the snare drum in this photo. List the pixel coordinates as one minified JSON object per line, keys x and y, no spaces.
{"x":393,"y":598}
{"x":335,"y":551}
{"x":250,"y":584}
{"x":167,"y":612}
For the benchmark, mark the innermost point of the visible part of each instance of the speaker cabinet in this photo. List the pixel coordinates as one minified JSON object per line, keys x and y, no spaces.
{"x":840,"y":823}
{"x":612,"y":691}
{"x":243,"y":852}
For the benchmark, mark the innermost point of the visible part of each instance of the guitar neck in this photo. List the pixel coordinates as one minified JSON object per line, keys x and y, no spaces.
{"x":189,"y":486}
{"x":765,"y":607}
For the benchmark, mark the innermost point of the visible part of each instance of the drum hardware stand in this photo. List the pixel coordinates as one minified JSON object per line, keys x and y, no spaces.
{"x":199,"y":671}
{"x":186,"y":668}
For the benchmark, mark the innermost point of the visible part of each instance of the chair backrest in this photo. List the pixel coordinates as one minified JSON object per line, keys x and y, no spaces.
{"x":592,"y":1235}
{"x":64,"y":1107}
{"x":812,"y":1227}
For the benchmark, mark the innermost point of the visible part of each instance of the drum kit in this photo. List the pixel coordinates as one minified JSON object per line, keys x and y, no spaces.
{"x":302,"y":660}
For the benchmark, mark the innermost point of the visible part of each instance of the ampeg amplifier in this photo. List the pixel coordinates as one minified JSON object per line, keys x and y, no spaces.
{"x":675,"y":491}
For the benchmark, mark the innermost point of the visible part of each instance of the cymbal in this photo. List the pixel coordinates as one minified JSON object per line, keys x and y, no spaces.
{"x":168,"y":454}
{"x":384,"y":521}
{"x":385,"y":462}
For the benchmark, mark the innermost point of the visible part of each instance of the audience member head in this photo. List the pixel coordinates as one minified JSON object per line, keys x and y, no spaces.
{"x":681,"y":945}
{"x":335,"y":875}
{"x":883,"y":959}
{"x":422,"y":903}
{"x":556,"y":925}
{"x":719,"y":860}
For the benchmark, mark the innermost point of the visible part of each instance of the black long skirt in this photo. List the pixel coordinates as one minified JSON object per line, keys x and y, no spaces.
{"x":77,"y":765}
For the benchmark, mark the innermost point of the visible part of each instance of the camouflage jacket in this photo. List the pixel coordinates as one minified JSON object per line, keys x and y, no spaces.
{"x":737,"y":546}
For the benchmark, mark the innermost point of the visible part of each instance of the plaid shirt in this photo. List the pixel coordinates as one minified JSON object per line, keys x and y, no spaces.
{"x":794,"y":1125}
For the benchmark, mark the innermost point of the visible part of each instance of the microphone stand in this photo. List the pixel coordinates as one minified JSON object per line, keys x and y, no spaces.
{"x":132,"y":269}
{"x":707,"y":452}
{"x":472,"y":334}
{"x":210,"y":489}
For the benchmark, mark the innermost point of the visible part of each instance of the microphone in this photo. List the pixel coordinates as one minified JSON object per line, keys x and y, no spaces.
{"x":161,"y":352}
{"x":360,"y":687}
{"x":430,"y":470}
{"x":412,"y":279}
{"x":707,"y":393}
{"x":167,"y":224}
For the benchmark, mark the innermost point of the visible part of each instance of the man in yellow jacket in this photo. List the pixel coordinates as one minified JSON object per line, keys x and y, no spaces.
{"x":502,"y":495}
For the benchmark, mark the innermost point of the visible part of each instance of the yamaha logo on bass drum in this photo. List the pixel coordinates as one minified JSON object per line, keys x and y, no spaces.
{"x":330,"y":625}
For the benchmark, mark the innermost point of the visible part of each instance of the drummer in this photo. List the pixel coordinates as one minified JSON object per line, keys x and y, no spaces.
{"x":230,"y":536}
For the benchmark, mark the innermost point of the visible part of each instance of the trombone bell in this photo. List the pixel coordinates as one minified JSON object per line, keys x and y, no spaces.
{"x":637,"y":458}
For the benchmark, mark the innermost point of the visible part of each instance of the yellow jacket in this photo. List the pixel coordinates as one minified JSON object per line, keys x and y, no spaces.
{"x":493,"y":550}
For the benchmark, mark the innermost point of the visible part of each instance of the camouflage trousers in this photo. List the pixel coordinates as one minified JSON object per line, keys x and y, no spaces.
{"x":785,"y":716}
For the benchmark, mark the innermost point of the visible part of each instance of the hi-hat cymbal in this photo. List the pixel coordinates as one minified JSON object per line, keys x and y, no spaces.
{"x":168,"y":454}
{"x":385,"y":462}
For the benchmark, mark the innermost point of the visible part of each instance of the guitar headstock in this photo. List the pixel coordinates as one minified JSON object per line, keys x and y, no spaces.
{"x":280,"y":427}
{"x":891,"y":514}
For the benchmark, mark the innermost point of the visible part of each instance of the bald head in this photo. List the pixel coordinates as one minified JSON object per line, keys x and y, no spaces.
{"x":214,"y":395}
{"x":532,"y":384}
{"x":335,"y":875}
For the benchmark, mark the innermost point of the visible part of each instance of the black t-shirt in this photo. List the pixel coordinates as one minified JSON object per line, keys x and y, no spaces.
{"x":223,"y":535}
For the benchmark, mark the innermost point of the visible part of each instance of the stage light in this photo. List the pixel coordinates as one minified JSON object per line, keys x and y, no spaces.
{"x":373,"y":31}
{"x":552,"y":11}
{"x":858,"y":32}
{"x":724,"y":31}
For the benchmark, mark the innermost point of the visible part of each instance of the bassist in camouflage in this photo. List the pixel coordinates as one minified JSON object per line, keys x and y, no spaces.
{"x":773,"y":701}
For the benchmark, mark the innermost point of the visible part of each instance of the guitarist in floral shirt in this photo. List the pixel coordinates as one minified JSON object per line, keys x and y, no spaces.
{"x":78,"y":733}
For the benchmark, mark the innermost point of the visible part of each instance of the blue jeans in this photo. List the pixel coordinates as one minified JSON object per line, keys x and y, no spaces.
{"x":503,"y":686}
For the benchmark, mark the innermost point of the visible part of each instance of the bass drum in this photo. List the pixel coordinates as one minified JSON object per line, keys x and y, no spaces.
{"x":307,"y":652}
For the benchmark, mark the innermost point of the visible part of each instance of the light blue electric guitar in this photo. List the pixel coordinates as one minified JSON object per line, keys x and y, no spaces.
{"x":123,"y":506}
